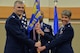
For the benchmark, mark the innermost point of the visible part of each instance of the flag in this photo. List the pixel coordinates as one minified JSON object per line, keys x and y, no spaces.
{"x":36,"y":15}
{"x":55,"y":21}
{"x":24,"y":19}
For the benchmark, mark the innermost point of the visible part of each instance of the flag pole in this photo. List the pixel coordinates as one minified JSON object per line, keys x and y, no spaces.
{"x":38,"y":34}
{"x":55,"y":18}
{"x":55,"y":2}
{"x":24,"y":6}
{"x":39,"y":40}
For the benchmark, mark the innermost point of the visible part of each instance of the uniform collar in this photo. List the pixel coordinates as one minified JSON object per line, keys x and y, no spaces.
{"x":67,"y":25}
{"x":16,"y":16}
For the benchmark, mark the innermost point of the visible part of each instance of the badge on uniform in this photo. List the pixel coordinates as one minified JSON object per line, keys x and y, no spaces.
{"x":46,"y":29}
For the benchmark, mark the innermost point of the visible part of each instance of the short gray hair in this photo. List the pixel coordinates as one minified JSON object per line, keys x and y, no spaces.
{"x":18,"y":1}
{"x":66,"y":13}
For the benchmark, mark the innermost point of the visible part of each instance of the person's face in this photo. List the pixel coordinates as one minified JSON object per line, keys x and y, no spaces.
{"x":65,"y":19}
{"x":19,"y":9}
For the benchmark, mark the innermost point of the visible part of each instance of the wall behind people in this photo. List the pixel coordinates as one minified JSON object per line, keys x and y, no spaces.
{"x":2,"y":37}
{"x":49,"y":3}
{"x":47,"y":7}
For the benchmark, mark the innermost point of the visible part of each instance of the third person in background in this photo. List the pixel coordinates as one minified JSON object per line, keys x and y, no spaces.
{"x":46,"y":28}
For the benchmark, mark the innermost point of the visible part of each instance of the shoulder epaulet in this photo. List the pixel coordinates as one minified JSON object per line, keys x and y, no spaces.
{"x":13,"y":16}
{"x":69,"y":26}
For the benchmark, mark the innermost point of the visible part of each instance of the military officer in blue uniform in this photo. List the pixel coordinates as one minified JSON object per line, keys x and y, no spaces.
{"x":46,"y":28}
{"x":16,"y":36}
{"x":63,"y":39}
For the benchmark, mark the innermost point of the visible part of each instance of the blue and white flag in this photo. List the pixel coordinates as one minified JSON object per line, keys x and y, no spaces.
{"x":36,"y":15}
{"x":55,"y":21}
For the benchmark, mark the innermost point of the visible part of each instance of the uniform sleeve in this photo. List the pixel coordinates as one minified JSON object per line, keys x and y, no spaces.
{"x":66,"y":36}
{"x":13,"y":27}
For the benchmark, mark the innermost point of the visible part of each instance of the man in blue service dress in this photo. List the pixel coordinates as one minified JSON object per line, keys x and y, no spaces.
{"x":44,"y":27}
{"x":63,"y":39}
{"x":16,"y":36}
